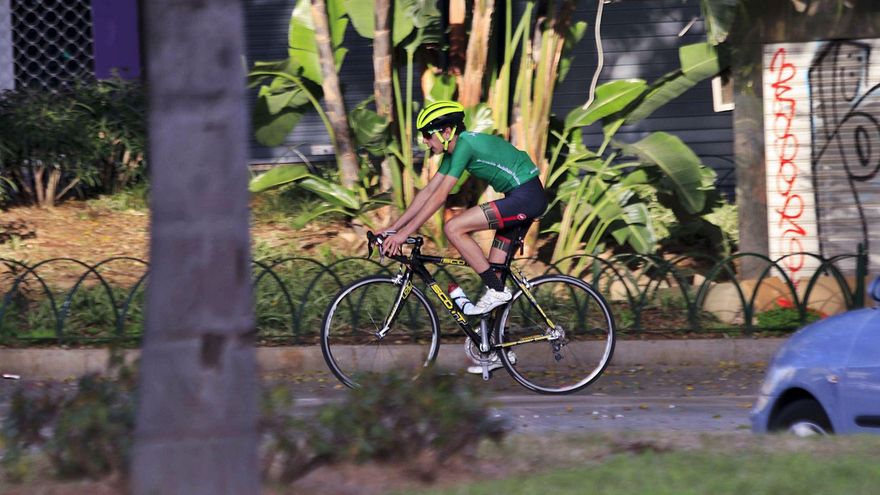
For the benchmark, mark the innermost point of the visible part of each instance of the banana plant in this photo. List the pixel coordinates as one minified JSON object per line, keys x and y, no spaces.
{"x":598,"y":191}
{"x":291,"y":87}
{"x":354,"y":203}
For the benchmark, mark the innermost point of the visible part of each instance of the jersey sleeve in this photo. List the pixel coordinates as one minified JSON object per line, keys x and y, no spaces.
{"x":456,"y":164}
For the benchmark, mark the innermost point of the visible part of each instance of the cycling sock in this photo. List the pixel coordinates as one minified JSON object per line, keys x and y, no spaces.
{"x":491,"y":280}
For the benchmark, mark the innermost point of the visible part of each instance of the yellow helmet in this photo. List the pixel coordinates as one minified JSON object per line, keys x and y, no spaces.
{"x":440,"y":114}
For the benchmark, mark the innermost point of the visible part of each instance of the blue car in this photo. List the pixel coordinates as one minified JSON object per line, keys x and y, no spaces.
{"x":825,"y":378}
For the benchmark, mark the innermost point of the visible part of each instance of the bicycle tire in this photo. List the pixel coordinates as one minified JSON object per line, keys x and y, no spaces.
{"x":349,"y":343}
{"x":589,"y":328}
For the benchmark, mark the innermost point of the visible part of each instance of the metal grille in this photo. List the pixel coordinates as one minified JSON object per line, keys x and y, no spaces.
{"x":51,"y":41}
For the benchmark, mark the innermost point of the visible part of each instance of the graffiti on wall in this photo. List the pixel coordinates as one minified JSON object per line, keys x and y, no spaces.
{"x":822,"y":150}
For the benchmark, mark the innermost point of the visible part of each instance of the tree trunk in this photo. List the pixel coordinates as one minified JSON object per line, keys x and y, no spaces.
{"x":457,"y":38}
{"x":38,"y":186}
{"x":348,"y":162}
{"x":196,"y":430}
{"x":383,"y":87}
{"x":477,"y":51}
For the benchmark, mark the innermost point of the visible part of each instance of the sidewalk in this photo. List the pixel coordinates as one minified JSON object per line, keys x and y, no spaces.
{"x":58,"y":364}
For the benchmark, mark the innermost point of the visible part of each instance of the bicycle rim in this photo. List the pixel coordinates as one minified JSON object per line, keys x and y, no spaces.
{"x":349,"y":340}
{"x":578,"y":358}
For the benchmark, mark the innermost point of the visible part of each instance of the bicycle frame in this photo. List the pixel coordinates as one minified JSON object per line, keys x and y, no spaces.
{"x":415,"y":264}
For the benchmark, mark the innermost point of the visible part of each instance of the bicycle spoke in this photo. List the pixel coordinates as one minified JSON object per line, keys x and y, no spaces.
{"x":350,"y":335}
{"x":580,"y":353}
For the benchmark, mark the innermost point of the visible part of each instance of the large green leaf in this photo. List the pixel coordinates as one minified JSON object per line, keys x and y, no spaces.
{"x":272,"y":68}
{"x":280,"y":94}
{"x":636,"y":229}
{"x":479,"y":118}
{"x":302,"y":47}
{"x":636,"y":177}
{"x":338,"y":22}
{"x":362,"y":14}
{"x":611,"y":97}
{"x":307,"y":217}
{"x":370,"y":129}
{"x":719,"y":16}
{"x":677,"y":161}
{"x":440,"y":87}
{"x":415,"y":15}
{"x":666,"y":89}
{"x":402,"y":22}
{"x":698,"y":62}
{"x":331,"y":192}
{"x":271,"y":129}
{"x":281,"y":104}
{"x":278,"y":176}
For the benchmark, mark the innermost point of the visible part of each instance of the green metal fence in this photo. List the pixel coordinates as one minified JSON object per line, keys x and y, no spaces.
{"x":70,"y":302}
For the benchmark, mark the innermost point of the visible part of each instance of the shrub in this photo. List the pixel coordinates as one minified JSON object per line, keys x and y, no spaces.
{"x":786,"y":316}
{"x":87,"y":137}
{"x":419,"y":422}
{"x":86,"y":434}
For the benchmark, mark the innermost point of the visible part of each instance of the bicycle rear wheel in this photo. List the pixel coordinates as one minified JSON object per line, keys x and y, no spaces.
{"x":584,"y":326}
{"x":350,"y":342}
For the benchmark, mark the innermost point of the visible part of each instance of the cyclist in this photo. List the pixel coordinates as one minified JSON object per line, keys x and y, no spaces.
{"x":491,"y":158}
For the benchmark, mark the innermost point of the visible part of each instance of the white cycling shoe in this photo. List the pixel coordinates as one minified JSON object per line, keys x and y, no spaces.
{"x":490,"y":300}
{"x":494,"y":364}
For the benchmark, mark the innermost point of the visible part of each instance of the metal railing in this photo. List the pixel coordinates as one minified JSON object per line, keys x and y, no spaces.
{"x":67,"y":301}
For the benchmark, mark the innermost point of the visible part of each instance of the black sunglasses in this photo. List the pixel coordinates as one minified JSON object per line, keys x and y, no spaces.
{"x":427,"y":133}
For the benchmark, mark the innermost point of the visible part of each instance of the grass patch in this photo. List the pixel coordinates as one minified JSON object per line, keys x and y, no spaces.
{"x":716,"y":464}
{"x":134,"y":198}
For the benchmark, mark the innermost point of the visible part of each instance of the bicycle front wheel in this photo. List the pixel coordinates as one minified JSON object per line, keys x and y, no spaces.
{"x":581,"y":343}
{"x":350,"y":335}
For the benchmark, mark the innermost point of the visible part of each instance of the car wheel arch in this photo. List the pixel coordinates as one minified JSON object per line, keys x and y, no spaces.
{"x":792,"y":396}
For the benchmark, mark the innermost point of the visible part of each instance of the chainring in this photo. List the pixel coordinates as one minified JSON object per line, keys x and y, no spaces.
{"x":472,"y":350}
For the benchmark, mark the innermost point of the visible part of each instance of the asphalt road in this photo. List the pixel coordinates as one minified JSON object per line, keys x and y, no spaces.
{"x":656,"y":398}
{"x":642,"y":398}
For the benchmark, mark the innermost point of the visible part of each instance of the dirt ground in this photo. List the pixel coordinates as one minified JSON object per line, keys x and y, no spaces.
{"x":91,"y":232}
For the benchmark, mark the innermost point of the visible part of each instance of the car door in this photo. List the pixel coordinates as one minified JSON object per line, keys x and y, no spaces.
{"x":860,"y":383}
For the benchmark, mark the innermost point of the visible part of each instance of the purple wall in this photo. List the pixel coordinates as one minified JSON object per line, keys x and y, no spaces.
{"x":117,"y":42}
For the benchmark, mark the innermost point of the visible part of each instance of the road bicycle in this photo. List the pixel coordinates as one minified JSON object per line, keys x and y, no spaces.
{"x":555,"y":336}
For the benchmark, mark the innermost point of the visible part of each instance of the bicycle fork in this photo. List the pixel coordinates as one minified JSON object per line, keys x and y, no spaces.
{"x":404,"y":278}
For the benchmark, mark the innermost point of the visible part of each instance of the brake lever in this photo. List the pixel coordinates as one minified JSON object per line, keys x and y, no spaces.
{"x":381,"y":251}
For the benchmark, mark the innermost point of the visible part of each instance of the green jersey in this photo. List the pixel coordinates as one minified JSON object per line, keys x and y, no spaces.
{"x":490,"y":158}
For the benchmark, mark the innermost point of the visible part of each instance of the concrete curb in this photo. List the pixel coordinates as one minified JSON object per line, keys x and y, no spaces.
{"x":57,"y":364}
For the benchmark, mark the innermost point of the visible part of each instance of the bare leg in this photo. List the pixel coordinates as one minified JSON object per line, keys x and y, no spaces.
{"x":458,"y":232}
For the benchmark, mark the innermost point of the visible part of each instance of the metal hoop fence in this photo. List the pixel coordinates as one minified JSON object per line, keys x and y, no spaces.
{"x":65,"y":301}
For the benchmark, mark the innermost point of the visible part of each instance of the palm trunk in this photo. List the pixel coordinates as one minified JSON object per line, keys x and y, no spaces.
{"x":477,"y":51}
{"x":39,"y":172}
{"x":52,"y":186}
{"x":196,"y":429}
{"x":457,"y":38}
{"x":382,"y":87}
{"x":536,"y":126}
{"x":348,"y":163}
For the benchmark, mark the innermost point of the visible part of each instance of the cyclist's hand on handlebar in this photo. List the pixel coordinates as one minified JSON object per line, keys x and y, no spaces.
{"x":391,"y":244}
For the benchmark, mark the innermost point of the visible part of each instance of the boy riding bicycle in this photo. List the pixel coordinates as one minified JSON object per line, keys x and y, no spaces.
{"x":508,"y":170}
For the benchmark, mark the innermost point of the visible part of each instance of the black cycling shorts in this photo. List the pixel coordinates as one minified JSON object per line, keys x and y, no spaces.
{"x":512,"y":215}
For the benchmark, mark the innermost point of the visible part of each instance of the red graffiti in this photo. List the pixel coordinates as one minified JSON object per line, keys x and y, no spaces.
{"x":787,"y":147}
